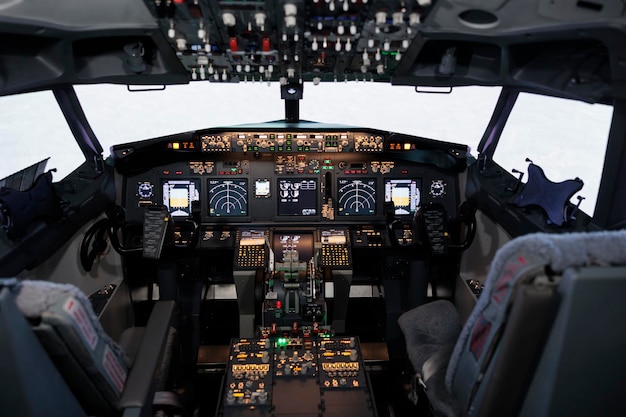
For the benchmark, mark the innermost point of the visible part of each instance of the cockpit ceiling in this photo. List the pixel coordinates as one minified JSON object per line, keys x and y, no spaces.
{"x":568,"y":48}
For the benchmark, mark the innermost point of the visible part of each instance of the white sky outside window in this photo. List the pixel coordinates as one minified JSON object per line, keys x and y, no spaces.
{"x":566,"y":138}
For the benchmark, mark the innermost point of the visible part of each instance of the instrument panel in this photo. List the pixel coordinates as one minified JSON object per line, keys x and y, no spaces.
{"x":278,"y":177}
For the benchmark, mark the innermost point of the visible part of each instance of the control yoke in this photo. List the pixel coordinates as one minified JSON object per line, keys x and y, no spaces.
{"x":429,"y":227}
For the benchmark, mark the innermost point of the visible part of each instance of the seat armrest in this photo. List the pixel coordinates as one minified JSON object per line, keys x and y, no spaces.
{"x":138,"y":391}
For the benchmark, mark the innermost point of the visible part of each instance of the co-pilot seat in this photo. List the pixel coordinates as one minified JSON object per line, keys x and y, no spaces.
{"x":105,"y":378}
{"x":544,"y":338}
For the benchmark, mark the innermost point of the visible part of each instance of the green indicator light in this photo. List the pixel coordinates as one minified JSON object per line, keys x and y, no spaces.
{"x":233,"y":170}
{"x":327,"y":161}
{"x":288,"y":148}
{"x":316,"y":171}
{"x":289,"y":136}
{"x":300,"y":148}
{"x":272,"y":148}
{"x":272,"y":136}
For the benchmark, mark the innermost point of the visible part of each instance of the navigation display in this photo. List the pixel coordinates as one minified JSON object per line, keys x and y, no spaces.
{"x":178,"y":196}
{"x":228,"y":197}
{"x":297,"y":197}
{"x":357,"y":196}
{"x":405,"y":194}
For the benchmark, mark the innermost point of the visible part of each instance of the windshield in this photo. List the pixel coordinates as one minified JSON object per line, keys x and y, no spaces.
{"x":32,"y":128}
{"x":117,"y":115}
{"x":566,"y":138}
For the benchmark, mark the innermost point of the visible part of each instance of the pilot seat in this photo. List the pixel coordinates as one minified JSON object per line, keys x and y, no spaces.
{"x":543,"y":338}
{"x":80,"y":370}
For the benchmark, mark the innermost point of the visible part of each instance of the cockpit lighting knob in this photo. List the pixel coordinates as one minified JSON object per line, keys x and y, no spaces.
{"x":290,"y":9}
{"x":229,"y":19}
{"x":414,"y":19}
{"x":397,"y":18}
{"x":181,"y":43}
{"x":290,"y":21}
{"x":381,"y":18}
{"x":260,"y":19}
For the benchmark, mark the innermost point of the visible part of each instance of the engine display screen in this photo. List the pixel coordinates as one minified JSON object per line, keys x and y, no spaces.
{"x":356,"y":196}
{"x":405,"y":194}
{"x":178,"y":196}
{"x":297,"y":196}
{"x":228,"y":197}
{"x":293,"y":247}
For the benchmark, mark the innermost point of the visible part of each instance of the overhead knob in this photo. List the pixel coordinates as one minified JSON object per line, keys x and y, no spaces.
{"x":260,"y":19}
{"x":414,"y":19}
{"x":397,"y":18}
{"x":381,"y":18}
{"x":290,"y":9}
{"x":229,"y":19}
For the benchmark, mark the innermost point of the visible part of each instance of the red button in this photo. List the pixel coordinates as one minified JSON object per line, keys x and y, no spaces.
{"x":233,"y":44}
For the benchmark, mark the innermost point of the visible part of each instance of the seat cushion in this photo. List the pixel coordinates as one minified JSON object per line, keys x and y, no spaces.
{"x":431,"y":330}
{"x":428,"y":329}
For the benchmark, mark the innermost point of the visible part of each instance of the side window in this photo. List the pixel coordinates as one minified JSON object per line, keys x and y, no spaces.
{"x":32,"y":128}
{"x":564,"y":137}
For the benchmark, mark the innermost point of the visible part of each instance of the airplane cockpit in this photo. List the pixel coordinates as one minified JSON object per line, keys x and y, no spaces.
{"x":294,"y":267}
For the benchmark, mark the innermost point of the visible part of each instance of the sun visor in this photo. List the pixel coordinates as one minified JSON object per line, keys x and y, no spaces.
{"x":528,"y":45}
{"x":43,"y":44}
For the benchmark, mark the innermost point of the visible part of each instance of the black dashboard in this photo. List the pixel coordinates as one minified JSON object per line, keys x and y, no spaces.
{"x":315,"y":176}
{"x":280,"y":209}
